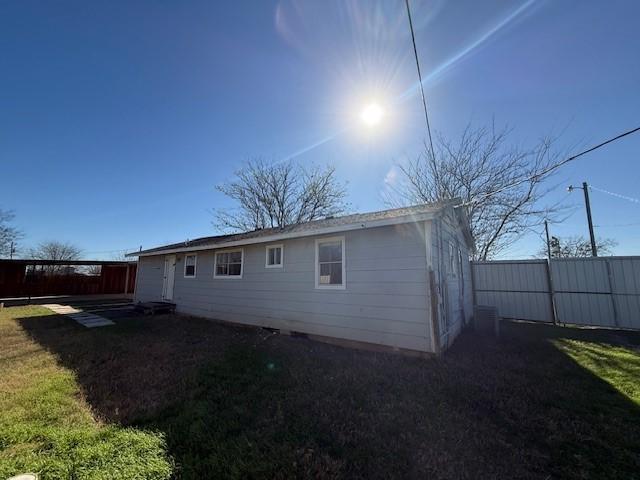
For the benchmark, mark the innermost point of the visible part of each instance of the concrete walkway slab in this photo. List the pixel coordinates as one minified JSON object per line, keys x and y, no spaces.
{"x":86,"y":319}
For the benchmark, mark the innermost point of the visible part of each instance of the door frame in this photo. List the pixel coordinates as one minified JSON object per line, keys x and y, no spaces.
{"x":169,"y":277}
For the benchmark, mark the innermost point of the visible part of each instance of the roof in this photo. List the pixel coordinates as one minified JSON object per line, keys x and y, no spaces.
{"x":316,"y":227}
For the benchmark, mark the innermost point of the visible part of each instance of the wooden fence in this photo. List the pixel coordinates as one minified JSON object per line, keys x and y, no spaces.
{"x":600,"y":291}
{"x":29,"y":278}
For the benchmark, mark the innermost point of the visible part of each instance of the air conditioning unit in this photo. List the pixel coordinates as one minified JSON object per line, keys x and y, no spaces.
{"x":486,"y":319}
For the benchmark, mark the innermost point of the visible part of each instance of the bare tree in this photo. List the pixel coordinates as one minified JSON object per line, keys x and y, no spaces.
{"x":53,"y":250}
{"x":576,"y":246}
{"x":9,"y":235}
{"x":500,"y":184}
{"x":279,"y":194}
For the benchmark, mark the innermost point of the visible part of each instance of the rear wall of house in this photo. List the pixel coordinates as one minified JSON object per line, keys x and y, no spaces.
{"x":385,"y":301}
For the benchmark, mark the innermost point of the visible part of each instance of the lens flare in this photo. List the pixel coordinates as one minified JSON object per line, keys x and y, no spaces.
{"x":372,"y":114}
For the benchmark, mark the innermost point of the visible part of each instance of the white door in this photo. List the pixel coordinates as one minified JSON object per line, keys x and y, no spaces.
{"x":169,"y":277}
{"x":453,"y":287}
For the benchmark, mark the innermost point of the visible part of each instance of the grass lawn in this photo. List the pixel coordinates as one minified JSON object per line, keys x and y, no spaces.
{"x":172,"y":396}
{"x":46,"y":425}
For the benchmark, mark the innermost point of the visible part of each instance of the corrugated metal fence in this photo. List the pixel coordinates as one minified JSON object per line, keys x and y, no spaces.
{"x":601,"y":291}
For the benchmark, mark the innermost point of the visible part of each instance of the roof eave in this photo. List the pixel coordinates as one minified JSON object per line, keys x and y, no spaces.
{"x":289,"y":235}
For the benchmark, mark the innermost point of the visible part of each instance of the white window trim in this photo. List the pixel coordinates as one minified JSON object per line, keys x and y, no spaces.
{"x":454,"y":259}
{"x":344,"y":264}
{"x":195,"y":265}
{"x":215,"y":263}
{"x":266,"y":256}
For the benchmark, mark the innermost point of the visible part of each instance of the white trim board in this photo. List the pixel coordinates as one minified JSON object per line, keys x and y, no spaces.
{"x":284,"y":236}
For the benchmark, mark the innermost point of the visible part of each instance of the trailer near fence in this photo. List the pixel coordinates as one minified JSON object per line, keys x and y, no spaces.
{"x":597,"y":291}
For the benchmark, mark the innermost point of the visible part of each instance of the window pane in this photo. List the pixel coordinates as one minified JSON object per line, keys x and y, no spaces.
{"x":278,"y":255}
{"x":330,"y":252}
{"x":324,"y":254}
{"x":234,"y":269}
{"x":271,"y":259}
{"x":330,"y":273}
{"x":190,"y":260}
{"x":235,"y":257}
{"x":221,"y":269}
{"x":190,"y":271}
{"x":336,"y":273}
{"x":325,"y":274}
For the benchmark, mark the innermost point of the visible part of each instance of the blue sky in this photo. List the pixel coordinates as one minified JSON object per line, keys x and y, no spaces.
{"x":117,"y":119}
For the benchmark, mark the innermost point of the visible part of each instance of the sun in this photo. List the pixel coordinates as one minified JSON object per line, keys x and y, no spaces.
{"x":372,"y":114}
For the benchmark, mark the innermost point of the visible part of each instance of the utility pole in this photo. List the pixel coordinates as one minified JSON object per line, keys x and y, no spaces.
{"x":594,"y":248}
{"x":546,"y":231}
{"x":585,"y":189}
{"x":552,"y":295}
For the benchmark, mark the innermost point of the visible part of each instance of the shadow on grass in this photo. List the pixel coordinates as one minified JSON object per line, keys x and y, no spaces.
{"x":236,"y":402}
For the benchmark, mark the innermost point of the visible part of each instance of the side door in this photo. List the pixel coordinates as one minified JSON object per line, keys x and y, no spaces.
{"x":169,"y":277}
{"x":453,"y":285}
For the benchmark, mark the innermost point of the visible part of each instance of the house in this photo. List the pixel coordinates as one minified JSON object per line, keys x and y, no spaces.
{"x":398,"y":278}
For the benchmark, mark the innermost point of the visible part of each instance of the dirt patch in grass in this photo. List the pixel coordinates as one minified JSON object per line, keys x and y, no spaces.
{"x":243,"y":403}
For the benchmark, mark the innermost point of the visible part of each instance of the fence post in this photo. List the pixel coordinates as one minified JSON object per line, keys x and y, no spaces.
{"x":613,"y":300}
{"x":126,"y":281}
{"x":552,"y":293}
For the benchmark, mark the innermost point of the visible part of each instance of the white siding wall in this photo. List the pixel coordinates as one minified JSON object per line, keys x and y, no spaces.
{"x":386,"y":300}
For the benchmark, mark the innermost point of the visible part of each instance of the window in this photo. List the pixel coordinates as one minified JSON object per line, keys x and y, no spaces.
{"x":190,"y":266}
{"x":229,"y":264}
{"x":454,"y":256}
{"x":330,"y":271}
{"x":274,"y":256}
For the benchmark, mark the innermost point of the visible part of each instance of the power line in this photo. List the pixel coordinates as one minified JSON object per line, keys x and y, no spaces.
{"x":551,"y":168}
{"x":605,"y":142}
{"x":613,"y":225}
{"x":415,"y":52}
{"x":613,"y":194}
